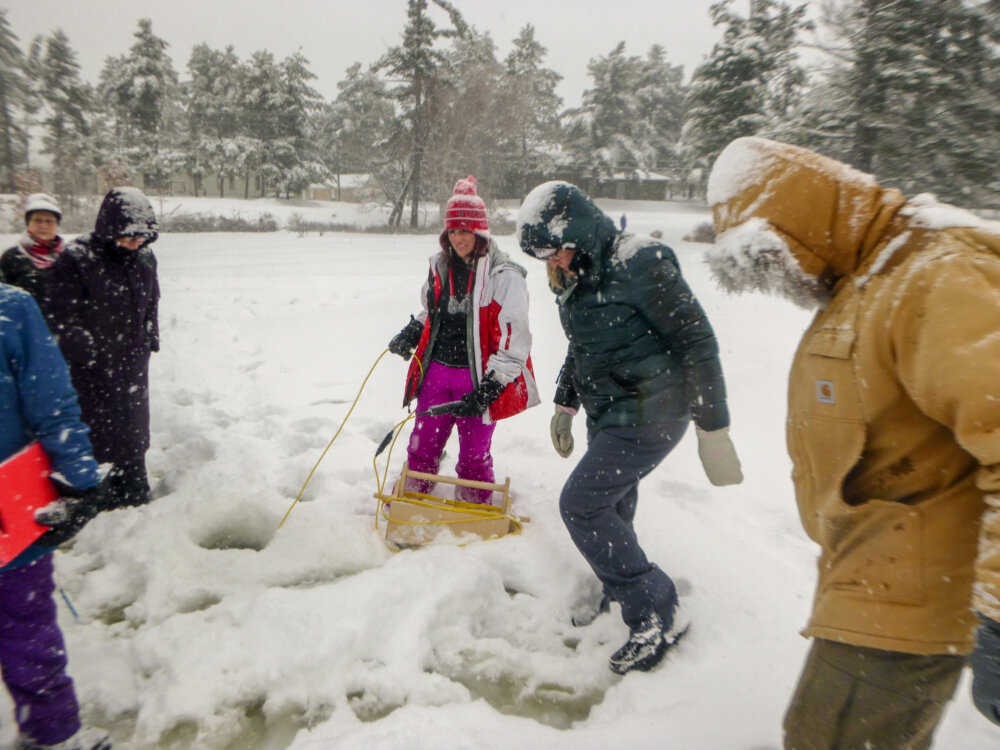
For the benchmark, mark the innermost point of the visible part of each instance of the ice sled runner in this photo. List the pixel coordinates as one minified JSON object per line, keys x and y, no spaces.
{"x":413,"y":519}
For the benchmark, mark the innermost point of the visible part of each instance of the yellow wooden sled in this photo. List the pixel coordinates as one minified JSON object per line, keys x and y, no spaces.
{"x":413,"y":519}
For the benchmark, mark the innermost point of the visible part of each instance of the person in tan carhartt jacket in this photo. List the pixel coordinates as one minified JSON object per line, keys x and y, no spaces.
{"x":893,"y":429}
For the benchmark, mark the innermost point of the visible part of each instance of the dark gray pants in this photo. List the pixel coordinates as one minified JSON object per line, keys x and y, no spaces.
{"x":856,"y":698}
{"x":598,"y":504}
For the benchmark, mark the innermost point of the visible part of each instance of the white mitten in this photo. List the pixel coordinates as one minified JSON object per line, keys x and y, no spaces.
{"x":718,"y":457}
{"x":561,"y":428}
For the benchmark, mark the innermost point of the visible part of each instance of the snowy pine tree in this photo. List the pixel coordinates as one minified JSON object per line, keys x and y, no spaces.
{"x":748,"y":82}
{"x":912,"y":94}
{"x":532,"y":133}
{"x":357,"y":129}
{"x":65,"y":100}
{"x":604,"y":135}
{"x":662,"y":110}
{"x":143,"y":90}
{"x":418,"y":67}
{"x":469,"y":118}
{"x":14,"y":102}
{"x":277,"y":104}
{"x":213,"y":116}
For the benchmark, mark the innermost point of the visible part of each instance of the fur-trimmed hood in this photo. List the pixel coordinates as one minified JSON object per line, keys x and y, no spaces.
{"x":795,"y":223}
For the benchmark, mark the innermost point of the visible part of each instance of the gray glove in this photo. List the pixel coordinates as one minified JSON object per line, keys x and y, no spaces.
{"x":561,"y":428}
{"x":718,"y":457}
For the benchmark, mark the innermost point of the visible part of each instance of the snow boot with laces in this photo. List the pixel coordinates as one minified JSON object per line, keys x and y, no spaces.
{"x":88,"y":738}
{"x":648,"y":643}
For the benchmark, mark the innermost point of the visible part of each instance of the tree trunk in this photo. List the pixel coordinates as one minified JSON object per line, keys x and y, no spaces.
{"x":419,"y":141}
{"x":870,"y":96}
{"x":397,"y":209}
{"x":7,"y":157}
{"x":415,"y":192}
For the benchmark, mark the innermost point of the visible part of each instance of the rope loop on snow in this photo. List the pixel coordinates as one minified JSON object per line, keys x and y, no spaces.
{"x":328,"y":445}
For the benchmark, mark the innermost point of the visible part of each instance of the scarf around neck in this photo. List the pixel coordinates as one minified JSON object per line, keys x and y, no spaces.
{"x":42,"y":253}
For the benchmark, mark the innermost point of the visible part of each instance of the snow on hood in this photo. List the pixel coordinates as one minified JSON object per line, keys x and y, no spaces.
{"x":557,"y":215}
{"x":126,"y":211}
{"x":743,"y":162}
{"x":786,"y":217}
{"x":535,"y":206}
{"x":831,"y":216}
{"x":630,"y":244}
{"x":925,"y":212}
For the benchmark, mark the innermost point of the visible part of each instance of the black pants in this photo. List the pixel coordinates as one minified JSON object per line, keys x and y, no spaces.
{"x":128,"y":485}
{"x":598,"y":504}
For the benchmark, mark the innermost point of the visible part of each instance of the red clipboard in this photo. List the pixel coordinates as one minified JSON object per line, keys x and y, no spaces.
{"x":24,"y":487}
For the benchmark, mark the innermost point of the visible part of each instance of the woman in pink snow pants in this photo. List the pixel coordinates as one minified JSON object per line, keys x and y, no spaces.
{"x":470,"y":346}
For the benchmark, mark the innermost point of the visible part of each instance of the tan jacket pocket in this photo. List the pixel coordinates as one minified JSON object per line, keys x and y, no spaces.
{"x":874,"y":550}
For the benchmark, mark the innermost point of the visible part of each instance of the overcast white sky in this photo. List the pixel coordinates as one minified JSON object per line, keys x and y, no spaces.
{"x":333,"y":34}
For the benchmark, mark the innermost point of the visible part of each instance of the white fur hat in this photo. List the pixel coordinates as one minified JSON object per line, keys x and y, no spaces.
{"x":41,"y":202}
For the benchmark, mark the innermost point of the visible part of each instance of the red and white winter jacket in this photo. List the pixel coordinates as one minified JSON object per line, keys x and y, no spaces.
{"x":498,"y":329}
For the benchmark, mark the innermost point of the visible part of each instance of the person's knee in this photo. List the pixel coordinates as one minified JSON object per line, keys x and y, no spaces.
{"x":576,"y":511}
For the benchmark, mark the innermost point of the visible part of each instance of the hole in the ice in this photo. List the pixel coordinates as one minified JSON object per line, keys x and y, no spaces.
{"x":251,"y":537}
{"x":256,"y":729}
{"x":368,"y":707}
{"x":314,"y":581}
{"x":179,"y":736}
{"x":251,"y":728}
{"x":549,"y":703}
{"x":112,"y":616}
{"x":198,"y":603}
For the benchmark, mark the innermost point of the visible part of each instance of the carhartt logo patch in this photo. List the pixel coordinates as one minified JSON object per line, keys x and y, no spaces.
{"x":824,"y":392}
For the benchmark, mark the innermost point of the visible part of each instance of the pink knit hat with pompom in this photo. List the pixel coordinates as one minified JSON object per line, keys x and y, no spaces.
{"x":466,"y":210}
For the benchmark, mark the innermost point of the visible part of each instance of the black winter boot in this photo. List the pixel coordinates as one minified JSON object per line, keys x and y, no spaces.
{"x":648,"y":643}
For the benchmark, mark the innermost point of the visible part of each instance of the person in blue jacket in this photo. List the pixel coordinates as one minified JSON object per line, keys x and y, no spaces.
{"x":37,"y":402}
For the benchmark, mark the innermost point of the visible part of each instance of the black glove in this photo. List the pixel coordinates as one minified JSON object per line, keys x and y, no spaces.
{"x":475,"y":403}
{"x":566,"y":394}
{"x":404,"y":342}
{"x":985,"y":663}
{"x":70,"y":513}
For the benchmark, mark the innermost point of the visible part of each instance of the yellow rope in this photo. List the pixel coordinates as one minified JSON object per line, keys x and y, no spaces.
{"x":322,"y":455}
{"x":380,"y":482}
{"x":475,"y":511}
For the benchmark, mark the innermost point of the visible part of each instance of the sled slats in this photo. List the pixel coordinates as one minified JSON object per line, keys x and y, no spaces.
{"x":413,"y":521}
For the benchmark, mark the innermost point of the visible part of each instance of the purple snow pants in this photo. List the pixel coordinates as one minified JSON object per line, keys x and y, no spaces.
{"x":430,"y":434}
{"x":33,"y":654}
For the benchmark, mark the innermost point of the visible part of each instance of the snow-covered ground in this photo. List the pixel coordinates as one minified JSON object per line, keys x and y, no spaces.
{"x":201,"y":624}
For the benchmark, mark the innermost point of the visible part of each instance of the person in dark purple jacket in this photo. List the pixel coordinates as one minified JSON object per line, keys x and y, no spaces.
{"x":101,"y":302}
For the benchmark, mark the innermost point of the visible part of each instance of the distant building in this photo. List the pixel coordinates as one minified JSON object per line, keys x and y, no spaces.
{"x":210,"y":186}
{"x":635,"y":184}
{"x":352,"y":188}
